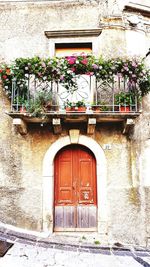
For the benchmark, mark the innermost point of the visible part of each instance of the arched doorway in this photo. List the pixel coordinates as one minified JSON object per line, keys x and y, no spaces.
{"x":48,"y":181}
{"x":75,"y":188}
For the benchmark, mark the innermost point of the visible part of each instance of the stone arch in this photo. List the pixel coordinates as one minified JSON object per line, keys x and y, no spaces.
{"x":48,"y":180}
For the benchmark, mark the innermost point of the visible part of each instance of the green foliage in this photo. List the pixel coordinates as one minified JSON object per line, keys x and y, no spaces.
{"x":65,"y":70}
{"x":100,"y":105}
{"x":78,"y":104}
{"x":35,"y":108}
{"x":41,"y":103}
{"x":125,"y":99}
{"x":144,"y":84}
{"x":68,"y":104}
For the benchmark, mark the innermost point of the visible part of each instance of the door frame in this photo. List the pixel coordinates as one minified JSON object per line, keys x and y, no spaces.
{"x":48,"y":181}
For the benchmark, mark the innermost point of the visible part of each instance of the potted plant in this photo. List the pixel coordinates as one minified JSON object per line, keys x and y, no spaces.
{"x":20,"y":104}
{"x":69,"y":106}
{"x":41,"y":103}
{"x":35,"y":108}
{"x":44,"y":98}
{"x":99,"y":106}
{"x":124,"y":100}
{"x":78,"y":106}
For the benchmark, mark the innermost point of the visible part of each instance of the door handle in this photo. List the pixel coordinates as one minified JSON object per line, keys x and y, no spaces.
{"x":74,"y":185}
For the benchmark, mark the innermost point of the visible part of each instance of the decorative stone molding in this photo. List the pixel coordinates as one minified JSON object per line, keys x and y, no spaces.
{"x":112,"y":22}
{"x":134,"y":21}
{"x":74,"y":136}
{"x":73,"y":33}
{"x":125,"y":22}
{"x":142,"y":8}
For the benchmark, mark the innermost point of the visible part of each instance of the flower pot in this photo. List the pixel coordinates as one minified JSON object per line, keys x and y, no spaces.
{"x":124,"y":109}
{"x":81,"y":109}
{"x":75,"y":109}
{"x":70,"y":109}
{"x":96,"y":109}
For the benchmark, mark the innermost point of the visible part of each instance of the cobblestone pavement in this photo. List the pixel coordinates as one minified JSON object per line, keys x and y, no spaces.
{"x":68,"y":251}
{"x":23,"y":255}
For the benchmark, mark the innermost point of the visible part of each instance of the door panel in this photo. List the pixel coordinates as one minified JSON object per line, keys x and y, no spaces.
{"x":64,"y":194}
{"x":64,"y":217}
{"x":75,"y":189}
{"x":86,"y":216}
{"x":86,"y":183}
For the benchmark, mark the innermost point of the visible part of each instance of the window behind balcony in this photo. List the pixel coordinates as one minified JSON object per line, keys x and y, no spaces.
{"x":67,"y":49}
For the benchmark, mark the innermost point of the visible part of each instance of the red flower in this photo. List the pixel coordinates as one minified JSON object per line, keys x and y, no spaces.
{"x":1,"y":70}
{"x":4,"y":77}
{"x":84,"y":61}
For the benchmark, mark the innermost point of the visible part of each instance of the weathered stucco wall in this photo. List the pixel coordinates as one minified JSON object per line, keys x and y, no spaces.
{"x":21,"y":161}
{"x":23,"y":26}
{"x":128,"y":187}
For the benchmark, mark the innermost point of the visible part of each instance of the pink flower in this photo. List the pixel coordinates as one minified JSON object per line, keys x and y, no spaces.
{"x":95,"y":67}
{"x":71,"y":60}
{"x":61,"y":77}
{"x":84,"y":61}
{"x":125,"y":68}
{"x":134,"y":64}
{"x":83,"y":54}
{"x":4,"y":77}
{"x":43,"y":64}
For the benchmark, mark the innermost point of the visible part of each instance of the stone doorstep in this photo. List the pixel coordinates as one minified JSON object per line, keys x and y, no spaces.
{"x":69,"y":243}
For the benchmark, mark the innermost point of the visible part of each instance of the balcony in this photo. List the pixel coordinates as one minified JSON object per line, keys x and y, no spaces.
{"x":52,"y":102}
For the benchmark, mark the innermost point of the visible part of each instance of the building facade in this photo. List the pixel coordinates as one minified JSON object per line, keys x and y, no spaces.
{"x":76,"y":172}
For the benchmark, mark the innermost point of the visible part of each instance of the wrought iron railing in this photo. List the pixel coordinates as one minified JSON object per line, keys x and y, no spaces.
{"x":34,"y":96}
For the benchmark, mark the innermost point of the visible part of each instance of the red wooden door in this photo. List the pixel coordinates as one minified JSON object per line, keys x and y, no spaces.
{"x":75,"y":189}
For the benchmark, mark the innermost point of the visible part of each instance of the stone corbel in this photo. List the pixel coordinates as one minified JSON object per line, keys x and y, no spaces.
{"x":20,"y":125}
{"x":91,"y":125}
{"x":128,"y":124}
{"x":57,"y":125}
